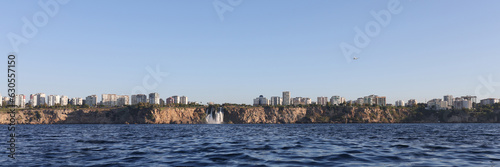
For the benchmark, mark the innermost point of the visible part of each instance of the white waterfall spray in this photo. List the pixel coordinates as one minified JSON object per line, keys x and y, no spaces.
{"x":215,"y":117}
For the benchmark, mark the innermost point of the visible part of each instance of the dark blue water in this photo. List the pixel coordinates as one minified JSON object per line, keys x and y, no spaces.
{"x":257,"y":145}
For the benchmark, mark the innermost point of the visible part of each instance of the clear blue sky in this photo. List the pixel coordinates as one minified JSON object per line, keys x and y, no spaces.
{"x":430,"y":49}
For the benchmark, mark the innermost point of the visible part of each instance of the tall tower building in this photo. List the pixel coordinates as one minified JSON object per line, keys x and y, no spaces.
{"x":41,"y":99}
{"x":154,"y":98}
{"x":448,"y":99}
{"x":322,"y":101}
{"x":91,"y":100}
{"x":177,"y":99}
{"x":183,"y":100}
{"x":286,"y":98}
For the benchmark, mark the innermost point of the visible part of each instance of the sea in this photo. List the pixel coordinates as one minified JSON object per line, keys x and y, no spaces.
{"x":255,"y":145}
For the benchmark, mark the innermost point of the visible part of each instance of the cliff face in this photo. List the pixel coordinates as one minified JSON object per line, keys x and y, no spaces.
{"x":263,"y":115}
{"x":109,"y":116}
{"x":247,"y":115}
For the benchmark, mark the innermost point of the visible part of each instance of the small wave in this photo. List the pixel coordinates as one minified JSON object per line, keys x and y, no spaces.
{"x":436,"y":147}
{"x":96,"y":141}
{"x":400,"y":146}
{"x":132,"y":159}
{"x":266,"y":147}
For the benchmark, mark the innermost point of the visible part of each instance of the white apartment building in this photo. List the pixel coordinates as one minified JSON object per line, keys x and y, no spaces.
{"x":412,"y":102}
{"x":122,"y":100}
{"x":20,"y":100}
{"x":276,"y":101}
{"x":360,"y":101}
{"x":462,"y":103}
{"x":177,"y":99}
{"x":91,"y":100}
{"x":286,"y":98}
{"x":437,"y":104}
{"x":399,"y":103}
{"x":154,"y":98}
{"x":33,"y":100}
{"x":41,"y":99}
{"x":53,"y":100}
{"x":448,"y":99}
{"x":260,"y":101}
{"x":337,"y":100}
{"x":139,"y":98}
{"x":109,"y":100}
{"x":183,"y":100}
{"x":489,"y":101}
{"x":322,"y":101}
{"x":64,"y":100}
{"x":77,"y":101}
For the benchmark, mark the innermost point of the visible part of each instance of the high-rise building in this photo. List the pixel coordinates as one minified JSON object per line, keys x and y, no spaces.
{"x":41,"y":99}
{"x":276,"y":101}
{"x":399,"y":103}
{"x":472,"y":99}
{"x":307,"y":101}
{"x":91,"y":100}
{"x":6,"y":100}
{"x":374,"y":99}
{"x":322,"y":101}
{"x":53,"y":100}
{"x":336,"y":100}
{"x":260,"y":101}
{"x":370,"y":100}
{"x":360,"y":101}
{"x":76,"y":101}
{"x":297,"y":101}
{"x":437,"y":104}
{"x":170,"y":100}
{"x":109,"y":100}
{"x":489,"y":101}
{"x":462,"y":103}
{"x":33,"y":100}
{"x":448,"y":99}
{"x":19,"y":100}
{"x":139,"y":98}
{"x":176,"y":98}
{"x":154,"y":98}
{"x":286,"y":98}
{"x":122,"y":100}
{"x":381,"y":101}
{"x":183,"y":100}
{"x":162,"y":102}
{"x":412,"y":102}
{"x":64,"y":100}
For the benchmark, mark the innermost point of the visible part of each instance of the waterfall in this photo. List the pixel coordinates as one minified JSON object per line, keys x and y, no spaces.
{"x":215,"y":117}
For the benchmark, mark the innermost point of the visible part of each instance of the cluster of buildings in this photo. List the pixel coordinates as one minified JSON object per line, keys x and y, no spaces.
{"x":371,"y":100}
{"x":109,"y":100}
{"x":463,"y":102}
{"x":112,"y":100}
{"x":286,"y":100}
{"x":448,"y":101}
{"x":401,"y":103}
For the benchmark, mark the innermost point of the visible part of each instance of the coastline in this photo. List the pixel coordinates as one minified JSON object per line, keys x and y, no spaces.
{"x":235,"y":114}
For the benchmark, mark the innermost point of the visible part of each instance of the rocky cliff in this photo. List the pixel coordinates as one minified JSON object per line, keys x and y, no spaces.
{"x":247,"y":115}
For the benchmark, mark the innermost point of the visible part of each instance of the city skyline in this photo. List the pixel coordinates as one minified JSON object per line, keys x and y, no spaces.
{"x":447,"y":49}
{"x":154,"y":98}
